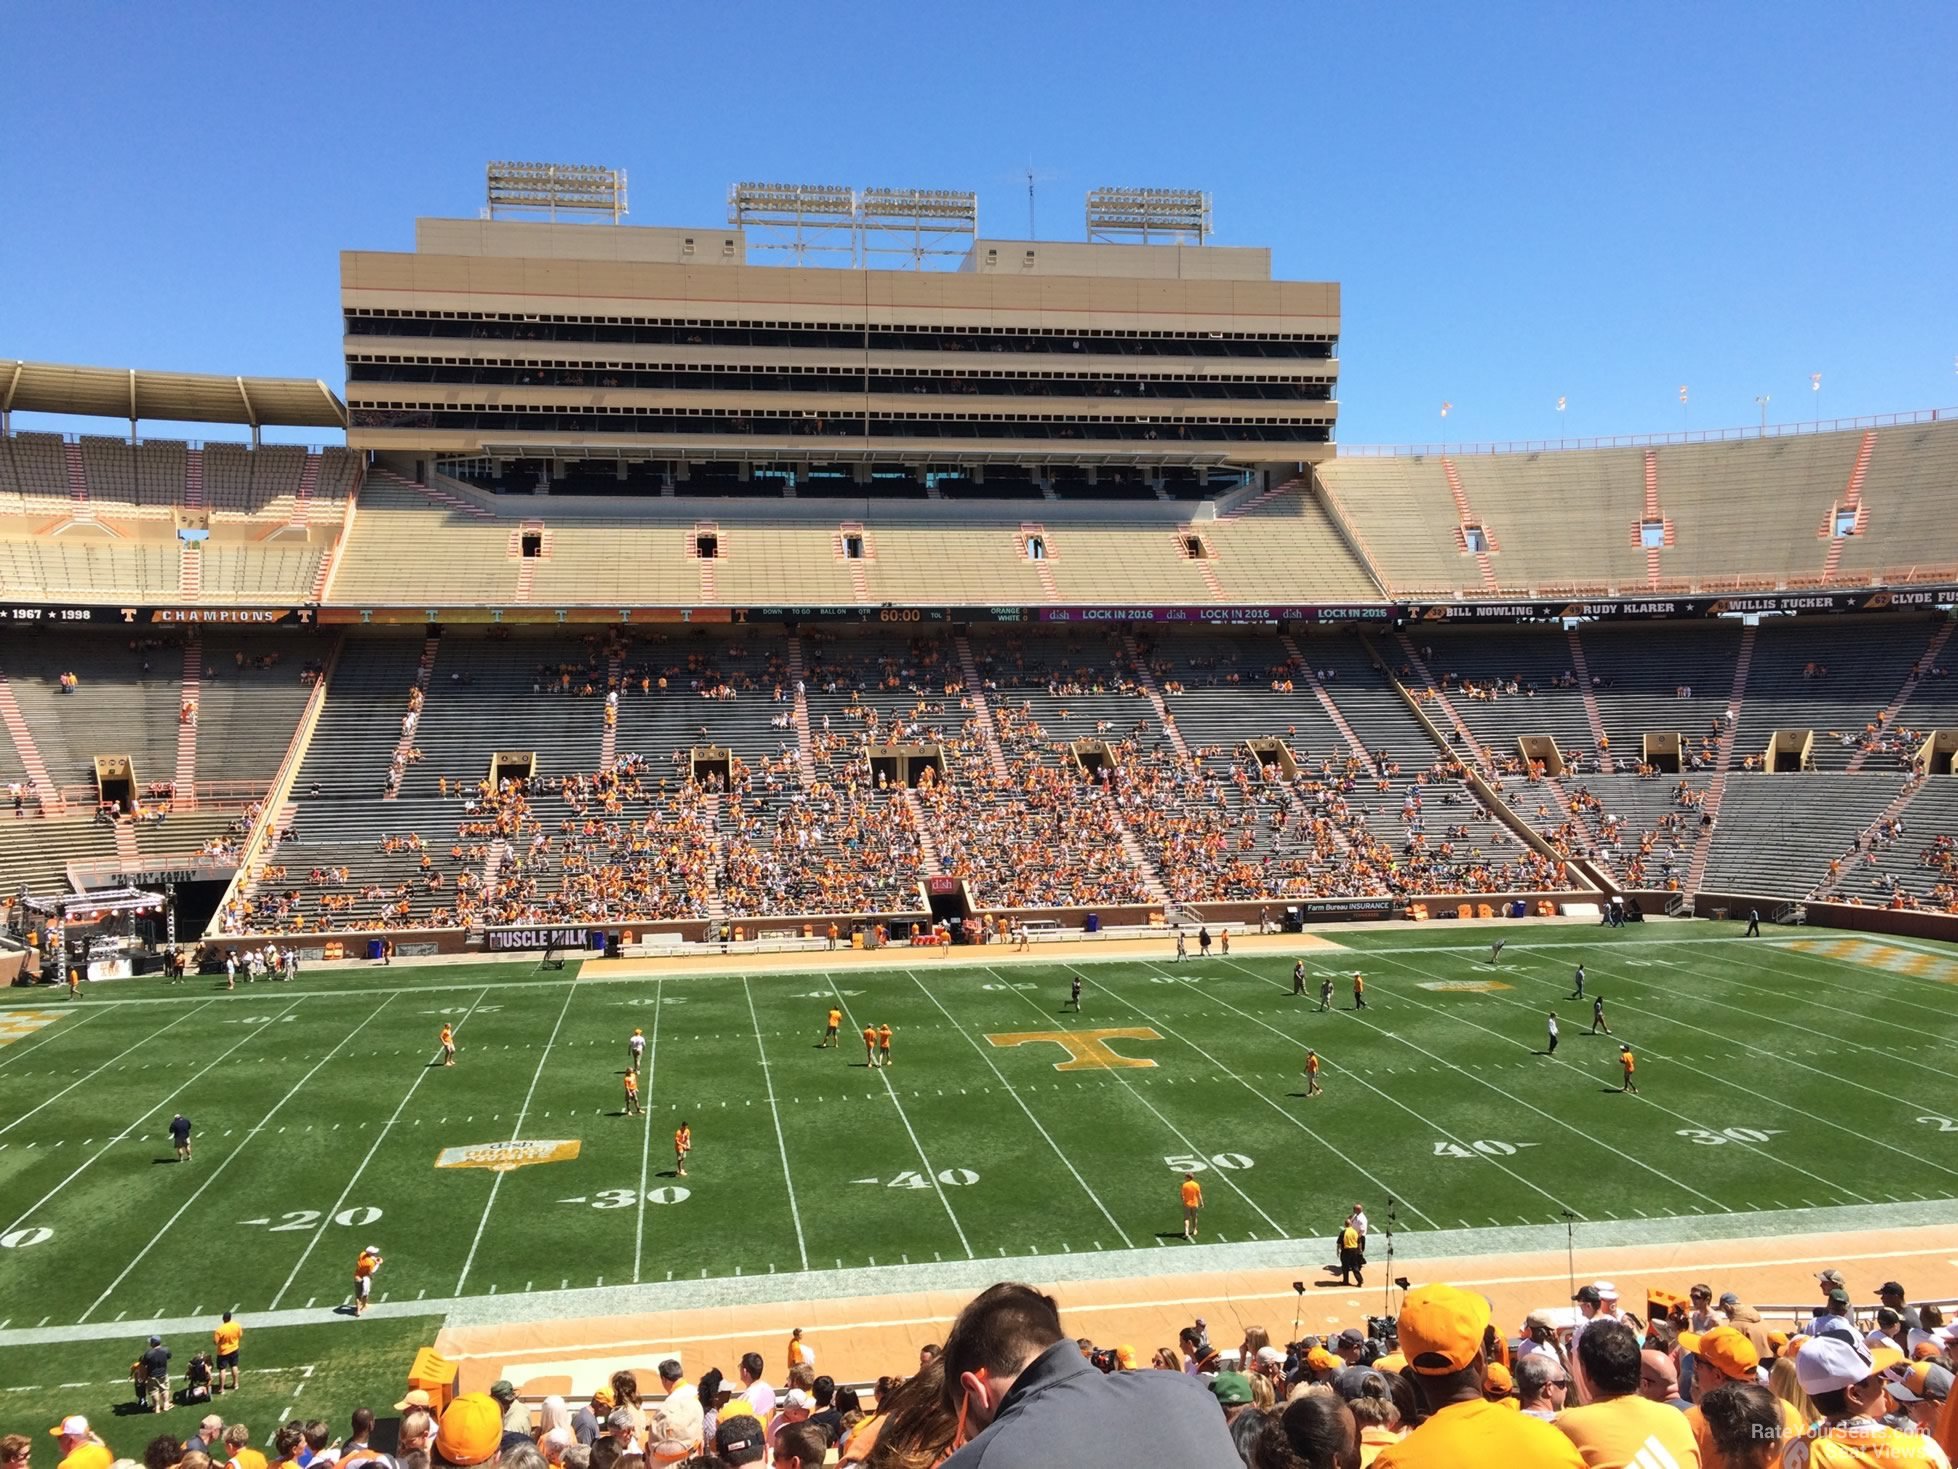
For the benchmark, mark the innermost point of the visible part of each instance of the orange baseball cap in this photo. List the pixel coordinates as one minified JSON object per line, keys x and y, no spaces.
{"x":471,"y":1430}
{"x":1441,"y":1328}
{"x":1496,"y":1379}
{"x":1726,"y":1348}
{"x":1321,"y":1360}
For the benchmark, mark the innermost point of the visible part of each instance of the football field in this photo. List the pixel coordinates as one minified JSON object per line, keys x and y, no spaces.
{"x":1803,"y":1070}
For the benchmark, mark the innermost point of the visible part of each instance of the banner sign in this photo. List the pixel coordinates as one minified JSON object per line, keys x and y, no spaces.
{"x":1867,"y":599}
{"x":68,"y":614}
{"x":1345,"y":908}
{"x":541,"y":938}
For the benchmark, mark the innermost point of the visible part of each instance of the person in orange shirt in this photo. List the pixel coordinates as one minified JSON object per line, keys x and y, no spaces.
{"x":1359,"y":990}
{"x":870,"y":1046}
{"x":365,"y":1269}
{"x":1312,"y":1087}
{"x":883,"y":1045}
{"x":448,"y":1046}
{"x":226,"y":1340}
{"x":238,"y":1452}
{"x":829,"y":1031}
{"x":682,"y":1145}
{"x":1441,"y":1334}
{"x":1192,"y":1205}
{"x":1721,"y":1356}
{"x":632,"y":1107}
{"x":1628,"y":1063}
{"x":800,"y":1354}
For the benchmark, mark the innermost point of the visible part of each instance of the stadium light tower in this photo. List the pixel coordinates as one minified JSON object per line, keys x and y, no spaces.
{"x":1128,"y":216}
{"x":546,"y":188}
{"x":1762,"y":399}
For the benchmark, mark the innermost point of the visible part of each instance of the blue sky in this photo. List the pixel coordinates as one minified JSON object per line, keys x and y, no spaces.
{"x":1598,"y":202}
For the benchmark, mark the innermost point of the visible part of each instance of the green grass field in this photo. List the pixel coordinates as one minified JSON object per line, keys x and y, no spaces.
{"x":287,"y":1372}
{"x":1782,"y":1073}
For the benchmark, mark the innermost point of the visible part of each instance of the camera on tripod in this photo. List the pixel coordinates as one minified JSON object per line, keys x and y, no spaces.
{"x":1385,"y":1330}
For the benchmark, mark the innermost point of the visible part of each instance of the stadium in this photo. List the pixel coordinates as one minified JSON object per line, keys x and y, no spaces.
{"x":694,"y":651}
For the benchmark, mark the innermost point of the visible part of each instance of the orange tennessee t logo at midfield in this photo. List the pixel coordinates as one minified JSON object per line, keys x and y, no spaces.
{"x":1087,"y":1050}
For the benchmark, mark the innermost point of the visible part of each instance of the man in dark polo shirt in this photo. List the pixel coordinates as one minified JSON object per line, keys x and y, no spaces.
{"x":1021,"y":1390}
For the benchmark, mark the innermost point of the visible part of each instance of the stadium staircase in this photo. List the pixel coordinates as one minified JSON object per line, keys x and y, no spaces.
{"x":1593,"y":715}
{"x":982,"y":712}
{"x":1147,"y":682}
{"x":194,"y":479}
{"x":302,"y":500}
{"x":716,"y":857}
{"x":79,"y":506}
{"x":608,"y":743}
{"x":1919,"y":671}
{"x":1138,"y":855}
{"x":1717,"y":788}
{"x":1653,"y":512}
{"x":1263,"y":498}
{"x":184,"y":791}
{"x":47,"y":795}
{"x":278,"y":812}
{"x":127,"y":852}
{"x":927,"y":848}
{"x":426,"y":667}
{"x":1866,"y":839}
{"x":799,"y":680}
{"x":1467,"y":513}
{"x":1479,"y":754}
{"x":1852,"y":501}
{"x":190,"y":570}
{"x":1353,"y":742}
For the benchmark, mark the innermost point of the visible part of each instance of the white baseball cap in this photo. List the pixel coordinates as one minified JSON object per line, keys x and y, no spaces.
{"x":795,"y":1397}
{"x":73,"y":1426}
{"x":1831,"y":1363}
{"x":1606,"y":1289}
{"x":373,"y":1249}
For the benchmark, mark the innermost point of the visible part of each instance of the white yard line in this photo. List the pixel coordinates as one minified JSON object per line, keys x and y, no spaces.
{"x":1508,"y":1097}
{"x":229,"y":1158}
{"x":646,"y":1141}
{"x":1394,"y":1101}
{"x":95,"y":1073}
{"x":249,"y":1036}
{"x":1357,"y":1167}
{"x":55,"y":1029}
{"x":1181,"y":1136}
{"x":931,"y":1173}
{"x":1581,"y":1071}
{"x":319,"y":1231}
{"x":1943,"y":1013}
{"x":1066,"y":1162}
{"x":515,"y":1133}
{"x":1834,"y":1076}
{"x":781,"y":1143}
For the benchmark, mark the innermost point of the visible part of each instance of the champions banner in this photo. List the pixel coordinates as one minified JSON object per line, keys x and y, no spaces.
{"x":1213,"y":614}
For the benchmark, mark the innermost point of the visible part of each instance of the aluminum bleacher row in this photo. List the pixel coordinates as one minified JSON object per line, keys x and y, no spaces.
{"x":801,"y":827}
{"x":97,"y":519}
{"x":1798,"y":510}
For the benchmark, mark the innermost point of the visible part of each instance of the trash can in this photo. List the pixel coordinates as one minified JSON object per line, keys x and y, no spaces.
{"x":1518,"y":908}
{"x":374,"y":948}
{"x":1294,"y":921}
{"x":1092,"y":923}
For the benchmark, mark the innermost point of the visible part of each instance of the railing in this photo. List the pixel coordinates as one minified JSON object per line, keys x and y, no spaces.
{"x":1647,"y":441}
{"x":76,"y":438}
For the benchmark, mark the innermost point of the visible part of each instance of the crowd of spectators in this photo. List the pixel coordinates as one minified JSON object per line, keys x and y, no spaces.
{"x":1707,"y":1383}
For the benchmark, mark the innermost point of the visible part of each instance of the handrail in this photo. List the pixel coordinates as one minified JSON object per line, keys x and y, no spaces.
{"x":281,"y":787}
{"x":75,"y":436}
{"x":1646,"y":441}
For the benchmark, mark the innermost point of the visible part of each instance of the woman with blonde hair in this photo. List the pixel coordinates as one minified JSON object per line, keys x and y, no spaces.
{"x":915,"y":1428}
{"x":1784,"y":1384}
{"x":1168,"y":1359}
{"x":554,"y":1414}
{"x":1256,"y":1338}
